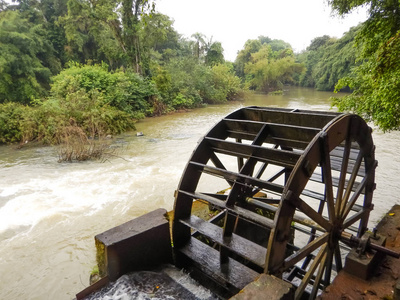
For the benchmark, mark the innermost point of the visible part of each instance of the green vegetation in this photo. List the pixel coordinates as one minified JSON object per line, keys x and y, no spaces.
{"x":327,"y":60}
{"x":82,"y":70}
{"x":76,"y":71}
{"x":266,"y":65}
{"x":27,"y":59}
{"x":375,"y":83}
{"x":125,"y":91}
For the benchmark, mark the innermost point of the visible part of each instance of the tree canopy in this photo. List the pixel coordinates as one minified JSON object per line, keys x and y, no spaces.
{"x":100,"y":62}
{"x":111,"y":62}
{"x":375,"y":82}
{"x":328,"y":59}
{"x":266,"y":64}
{"x":27,"y":59}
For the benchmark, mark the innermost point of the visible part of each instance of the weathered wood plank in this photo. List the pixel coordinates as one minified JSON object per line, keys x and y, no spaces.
{"x":283,"y":158}
{"x":235,"y":210}
{"x":244,"y":179}
{"x":207,"y":260}
{"x":281,"y":131}
{"x":237,"y":244}
{"x":302,"y":118}
{"x":338,"y":152}
{"x":320,"y":197}
{"x":335,"y":181}
{"x":336,"y":164}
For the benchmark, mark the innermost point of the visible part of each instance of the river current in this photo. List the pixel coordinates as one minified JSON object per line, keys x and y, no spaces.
{"x":50,"y":211}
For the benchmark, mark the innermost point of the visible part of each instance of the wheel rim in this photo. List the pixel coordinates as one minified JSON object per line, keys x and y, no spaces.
{"x":322,"y":186}
{"x":343,"y":194}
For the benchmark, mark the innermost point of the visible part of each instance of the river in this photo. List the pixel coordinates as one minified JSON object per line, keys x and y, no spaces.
{"x":50,"y":211}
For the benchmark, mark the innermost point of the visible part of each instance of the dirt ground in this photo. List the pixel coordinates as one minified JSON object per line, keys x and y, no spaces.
{"x":383,"y":282}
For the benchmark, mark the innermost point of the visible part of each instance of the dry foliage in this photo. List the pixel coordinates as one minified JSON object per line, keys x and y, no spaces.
{"x":76,"y":146}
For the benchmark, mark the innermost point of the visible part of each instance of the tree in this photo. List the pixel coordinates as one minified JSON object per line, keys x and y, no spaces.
{"x":45,"y":13}
{"x":244,"y":56}
{"x":382,"y":24}
{"x":253,"y":46}
{"x":158,"y":33}
{"x":268,"y":71}
{"x":329,"y":59}
{"x":311,"y":57}
{"x":266,"y":64}
{"x":116,"y":22}
{"x":376,"y":87}
{"x":375,"y":82}
{"x":159,"y":40}
{"x":214,"y":54}
{"x":26,"y":59}
{"x":226,"y":84}
{"x":3,"y":5}
{"x":199,"y":44}
{"x":276,"y":45}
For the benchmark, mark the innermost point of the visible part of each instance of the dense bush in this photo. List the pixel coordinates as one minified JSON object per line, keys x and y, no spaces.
{"x":100,"y":102}
{"x":186,"y":77}
{"x":11,"y":115}
{"x":186,"y":83}
{"x":126,"y":91}
{"x":226,"y":83}
{"x":47,"y":120}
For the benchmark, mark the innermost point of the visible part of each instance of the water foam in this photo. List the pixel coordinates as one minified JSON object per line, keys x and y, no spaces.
{"x":167,"y":283}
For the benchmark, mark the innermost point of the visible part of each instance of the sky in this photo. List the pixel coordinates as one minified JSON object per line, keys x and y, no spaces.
{"x":233,"y":22}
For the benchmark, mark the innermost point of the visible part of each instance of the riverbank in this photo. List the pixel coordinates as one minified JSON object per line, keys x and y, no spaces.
{"x":48,"y":219}
{"x":383,"y":282}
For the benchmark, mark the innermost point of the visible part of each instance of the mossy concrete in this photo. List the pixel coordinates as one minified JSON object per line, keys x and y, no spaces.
{"x":138,"y":244}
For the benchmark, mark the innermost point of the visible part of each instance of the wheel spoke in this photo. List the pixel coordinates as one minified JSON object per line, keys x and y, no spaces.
{"x":343,"y":173}
{"x":306,"y":279}
{"x":328,"y":270}
{"x":263,"y":166}
{"x":276,"y":175}
{"x":353,"y":199}
{"x":318,"y":278}
{"x":247,"y":168}
{"x":271,"y":179}
{"x":327,"y":178}
{"x":352,"y":179}
{"x":312,"y":234}
{"x":313,"y":215}
{"x":338,"y":258}
{"x":354,"y":218}
{"x":261,"y":170}
{"x":308,"y":249}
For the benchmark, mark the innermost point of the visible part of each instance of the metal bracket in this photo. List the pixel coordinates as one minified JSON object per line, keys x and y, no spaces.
{"x":362,"y":245}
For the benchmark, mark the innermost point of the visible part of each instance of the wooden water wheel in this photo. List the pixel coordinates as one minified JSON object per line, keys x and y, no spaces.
{"x":289,"y":189}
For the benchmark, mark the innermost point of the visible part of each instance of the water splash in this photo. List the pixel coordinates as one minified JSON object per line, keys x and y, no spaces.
{"x":167,"y":283}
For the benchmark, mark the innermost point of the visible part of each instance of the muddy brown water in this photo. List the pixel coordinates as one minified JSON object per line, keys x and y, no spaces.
{"x":50,"y":212}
